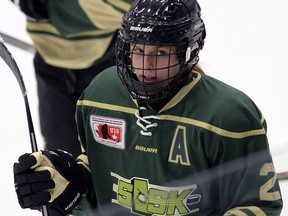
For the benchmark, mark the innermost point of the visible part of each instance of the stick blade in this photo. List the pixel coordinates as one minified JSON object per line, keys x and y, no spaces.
{"x":10,"y":61}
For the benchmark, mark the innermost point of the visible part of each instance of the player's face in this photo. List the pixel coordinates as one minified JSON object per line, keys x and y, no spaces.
{"x":154,"y":64}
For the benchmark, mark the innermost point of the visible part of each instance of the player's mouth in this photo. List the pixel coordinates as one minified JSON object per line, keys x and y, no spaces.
{"x":149,"y":80}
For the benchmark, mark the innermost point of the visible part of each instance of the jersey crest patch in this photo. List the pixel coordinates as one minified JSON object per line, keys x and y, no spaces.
{"x":108,"y":131}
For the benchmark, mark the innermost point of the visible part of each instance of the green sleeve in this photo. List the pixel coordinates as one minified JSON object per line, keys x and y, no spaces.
{"x":251,"y":187}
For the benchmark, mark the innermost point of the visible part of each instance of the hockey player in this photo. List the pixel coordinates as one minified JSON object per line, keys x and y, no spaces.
{"x":165,"y":138}
{"x":74,"y":40}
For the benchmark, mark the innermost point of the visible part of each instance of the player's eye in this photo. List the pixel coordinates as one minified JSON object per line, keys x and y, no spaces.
{"x":137,"y":50}
{"x":162,"y":53}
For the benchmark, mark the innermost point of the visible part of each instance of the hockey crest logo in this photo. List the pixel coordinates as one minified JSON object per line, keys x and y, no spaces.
{"x":108,"y":131}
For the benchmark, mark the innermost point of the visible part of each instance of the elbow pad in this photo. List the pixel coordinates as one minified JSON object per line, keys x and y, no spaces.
{"x":35,"y":10}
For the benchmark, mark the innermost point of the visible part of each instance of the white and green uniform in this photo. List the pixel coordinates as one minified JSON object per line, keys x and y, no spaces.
{"x":75,"y":45}
{"x":78,"y":33}
{"x":204,"y":153}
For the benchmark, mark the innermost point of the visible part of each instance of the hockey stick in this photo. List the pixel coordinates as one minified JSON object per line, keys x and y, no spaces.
{"x":9,"y":60}
{"x":18,"y":43}
{"x":282,"y":176}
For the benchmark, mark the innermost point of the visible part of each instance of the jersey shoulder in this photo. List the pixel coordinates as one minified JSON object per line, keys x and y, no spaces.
{"x":223,"y":106}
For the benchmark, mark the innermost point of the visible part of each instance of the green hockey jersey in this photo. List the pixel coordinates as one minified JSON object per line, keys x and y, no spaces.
{"x":79,"y":32}
{"x":204,"y":153}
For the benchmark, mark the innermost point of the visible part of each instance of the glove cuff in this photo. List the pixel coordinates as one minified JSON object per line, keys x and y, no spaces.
{"x":66,"y":201}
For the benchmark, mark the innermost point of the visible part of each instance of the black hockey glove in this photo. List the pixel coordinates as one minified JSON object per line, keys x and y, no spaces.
{"x":51,"y":178}
{"x":35,"y":10}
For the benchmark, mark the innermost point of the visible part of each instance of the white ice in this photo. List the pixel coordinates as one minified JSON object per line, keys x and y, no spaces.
{"x":246,"y":46}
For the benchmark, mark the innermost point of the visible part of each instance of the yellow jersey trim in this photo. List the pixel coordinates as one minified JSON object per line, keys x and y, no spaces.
{"x":238,"y":211}
{"x":207,"y":126}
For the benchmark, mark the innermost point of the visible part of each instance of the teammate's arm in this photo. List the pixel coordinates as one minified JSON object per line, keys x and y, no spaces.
{"x":33,"y":9}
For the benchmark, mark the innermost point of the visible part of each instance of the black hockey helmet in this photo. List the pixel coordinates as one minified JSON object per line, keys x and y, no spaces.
{"x":160,"y":23}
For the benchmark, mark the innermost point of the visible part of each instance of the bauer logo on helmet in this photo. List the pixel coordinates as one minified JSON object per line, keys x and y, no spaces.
{"x":141,"y":29}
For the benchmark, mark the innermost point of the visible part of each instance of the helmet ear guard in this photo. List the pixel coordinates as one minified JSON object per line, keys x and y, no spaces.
{"x":190,"y":52}
{"x":192,"y":57}
{"x":123,"y":55}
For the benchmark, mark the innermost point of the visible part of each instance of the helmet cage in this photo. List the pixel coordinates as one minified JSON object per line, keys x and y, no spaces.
{"x":155,"y":28}
{"x":154,"y":92}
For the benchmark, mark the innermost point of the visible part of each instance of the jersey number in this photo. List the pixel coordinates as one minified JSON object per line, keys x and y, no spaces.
{"x":265,"y":193}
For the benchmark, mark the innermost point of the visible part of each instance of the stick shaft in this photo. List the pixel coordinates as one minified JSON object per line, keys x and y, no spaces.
{"x":9,"y":60}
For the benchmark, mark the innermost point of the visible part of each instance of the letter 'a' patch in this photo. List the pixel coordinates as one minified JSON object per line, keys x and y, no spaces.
{"x":108,"y":131}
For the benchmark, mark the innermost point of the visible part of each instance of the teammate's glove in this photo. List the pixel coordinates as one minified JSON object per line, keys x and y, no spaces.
{"x":34,"y":9}
{"x":51,"y":178}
